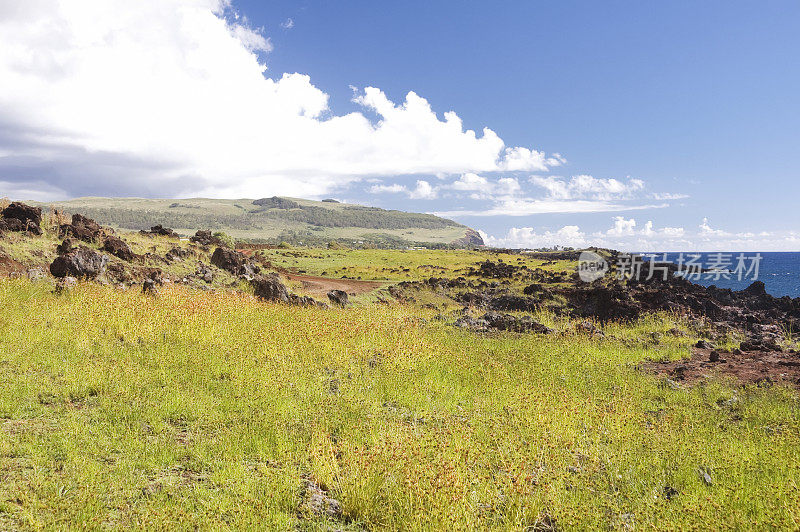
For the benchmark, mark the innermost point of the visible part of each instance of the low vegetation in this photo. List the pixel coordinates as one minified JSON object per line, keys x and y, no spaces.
{"x":396,"y":265}
{"x":121,"y":410}
{"x":178,"y":399}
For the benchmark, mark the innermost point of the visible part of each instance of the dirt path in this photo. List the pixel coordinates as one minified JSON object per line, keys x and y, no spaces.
{"x":319,"y":286}
{"x":314,"y":285}
{"x":747,"y":367}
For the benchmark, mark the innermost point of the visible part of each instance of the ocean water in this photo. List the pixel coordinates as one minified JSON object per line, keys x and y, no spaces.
{"x":779,"y":271}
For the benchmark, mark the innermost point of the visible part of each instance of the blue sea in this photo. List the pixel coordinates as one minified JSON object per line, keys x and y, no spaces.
{"x":779,"y":271}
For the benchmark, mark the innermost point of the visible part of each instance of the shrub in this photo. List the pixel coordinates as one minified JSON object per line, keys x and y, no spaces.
{"x":276,"y":203}
{"x":226,"y":239}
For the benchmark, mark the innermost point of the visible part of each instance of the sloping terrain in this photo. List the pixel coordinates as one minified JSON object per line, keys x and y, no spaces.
{"x":274,"y":220}
{"x":153,"y":382}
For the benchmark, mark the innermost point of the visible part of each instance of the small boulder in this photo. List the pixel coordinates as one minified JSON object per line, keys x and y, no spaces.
{"x":704,"y":344}
{"x":750,"y":345}
{"x":64,"y":284}
{"x":205,"y":238}
{"x":163,"y":231}
{"x":588,"y":328}
{"x":118,"y":247}
{"x":65,"y":247}
{"x":494,"y":270}
{"x":533,"y":289}
{"x":512,"y":302}
{"x":80,"y":262}
{"x":82,"y":228}
{"x":177,"y":253}
{"x":306,"y":301}
{"x":475,"y":324}
{"x":205,"y":273}
{"x":269,"y":288}
{"x":149,"y":287}
{"x":120,"y":273}
{"x":233,"y":262}
{"x":227,"y":259}
{"x":315,"y":501}
{"x":156,"y":274}
{"x":34,"y":274}
{"x":339,"y":298}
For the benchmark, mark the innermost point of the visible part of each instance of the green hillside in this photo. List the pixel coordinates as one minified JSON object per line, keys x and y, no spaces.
{"x":273,"y":220}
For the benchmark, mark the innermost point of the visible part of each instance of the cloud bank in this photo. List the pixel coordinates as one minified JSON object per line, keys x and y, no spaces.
{"x":627,"y":234}
{"x":171,"y":98}
{"x":510,"y":196}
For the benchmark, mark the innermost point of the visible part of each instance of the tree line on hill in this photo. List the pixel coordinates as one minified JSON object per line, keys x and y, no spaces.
{"x":349,"y":216}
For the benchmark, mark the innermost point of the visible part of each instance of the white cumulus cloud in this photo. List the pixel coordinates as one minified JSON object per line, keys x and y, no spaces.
{"x":391,"y":189}
{"x":623,"y":227}
{"x":528,"y":237}
{"x":552,"y":194}
{"x":588,"y":187}
{"x":423,"y":190}
{"x":171,"y":97}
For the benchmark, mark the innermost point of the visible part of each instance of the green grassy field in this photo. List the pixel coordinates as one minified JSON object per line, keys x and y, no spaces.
{"x":204,"y":410}
{"x":395,"y":265}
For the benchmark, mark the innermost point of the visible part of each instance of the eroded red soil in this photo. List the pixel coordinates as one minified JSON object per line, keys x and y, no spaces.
{"x":319,"y":286}
{"x":748,"y":367}
{"x":9,"y":266}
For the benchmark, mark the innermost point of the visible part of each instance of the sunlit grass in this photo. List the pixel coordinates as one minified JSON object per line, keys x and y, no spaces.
{"x":193,"y":408}
{"x":396,"y":265}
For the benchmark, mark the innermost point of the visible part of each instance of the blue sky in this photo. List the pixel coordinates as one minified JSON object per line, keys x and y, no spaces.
{"x":691,"y":107}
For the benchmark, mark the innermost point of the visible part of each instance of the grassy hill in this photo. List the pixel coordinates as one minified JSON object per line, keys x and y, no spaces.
{"x":272,"y":220}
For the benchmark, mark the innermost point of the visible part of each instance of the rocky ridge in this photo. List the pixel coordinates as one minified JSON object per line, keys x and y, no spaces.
{"x":91,"y":251}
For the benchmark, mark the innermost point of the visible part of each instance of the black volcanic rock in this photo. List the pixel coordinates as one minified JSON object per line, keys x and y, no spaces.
{"x":511,"y":302}
{"x":233,"y":262}
{"x":163,"y":231}
{"x":269,"y":288}
{"x":494,"y":270}
{"x":118,"y":247}
{"x":757,"y":288}
{"x":22,"y":217}
{"x":23,"y":213}
{"x":503,"y":322}
{"x":82,"y":228}
{"x":79,"y":262}
{"x":338,"y":297}
{"x":205,"y":238}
